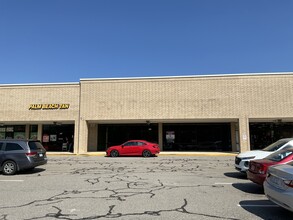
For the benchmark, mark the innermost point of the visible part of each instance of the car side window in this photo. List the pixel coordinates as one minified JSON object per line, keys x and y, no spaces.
{"x":140,"y":144}
{"x":129,"y":144}
{"x":1,"y":145}
{"x":12,"y":147}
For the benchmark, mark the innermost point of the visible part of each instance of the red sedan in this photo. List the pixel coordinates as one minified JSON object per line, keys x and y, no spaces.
{"x":134,"y":148}
{"x":258,"y":168}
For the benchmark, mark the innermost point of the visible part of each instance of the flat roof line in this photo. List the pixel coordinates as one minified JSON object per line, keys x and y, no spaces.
{"x":40,"y":84}
{"x":188,"y":76}
{"x":147,"y":77}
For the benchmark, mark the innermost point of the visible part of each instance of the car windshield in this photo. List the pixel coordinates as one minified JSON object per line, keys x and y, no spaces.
{"x":275,"y":146}
{"x":279,"y":155}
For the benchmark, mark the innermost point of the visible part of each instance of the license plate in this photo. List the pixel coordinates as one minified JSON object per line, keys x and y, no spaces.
{"x":275,"y":181}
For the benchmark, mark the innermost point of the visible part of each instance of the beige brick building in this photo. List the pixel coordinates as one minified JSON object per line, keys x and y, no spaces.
{"x":95,"y":111}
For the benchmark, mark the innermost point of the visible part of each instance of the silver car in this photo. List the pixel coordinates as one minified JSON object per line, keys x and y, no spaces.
{"x":16,"y":155}
{"x":278,"y":186}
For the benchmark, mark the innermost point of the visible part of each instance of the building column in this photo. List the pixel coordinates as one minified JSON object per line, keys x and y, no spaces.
{"x":244,"y":134}
{"x":234,"y":137}
{"x":93,"y":139}
{"x":40,"y":132}
{"x":83,"y":137}
{"x":160,"y":135}
{"x":27,"y":131}
{"x":76,"y":137}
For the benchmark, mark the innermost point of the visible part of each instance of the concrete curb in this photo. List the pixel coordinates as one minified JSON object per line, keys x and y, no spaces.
{"x":211,"y":154}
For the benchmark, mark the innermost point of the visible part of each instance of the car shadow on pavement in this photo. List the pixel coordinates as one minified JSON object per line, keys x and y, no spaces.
{"x":236,"y":175}
{"x":33,"y":171}
{"x":249,"y":188}
{"x":265,"y":209}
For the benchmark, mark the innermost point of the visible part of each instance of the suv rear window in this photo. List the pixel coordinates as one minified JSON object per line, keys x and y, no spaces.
{"x":35,"y":145}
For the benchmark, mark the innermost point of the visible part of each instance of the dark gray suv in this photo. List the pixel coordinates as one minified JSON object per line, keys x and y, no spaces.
{"x":16,"y":155}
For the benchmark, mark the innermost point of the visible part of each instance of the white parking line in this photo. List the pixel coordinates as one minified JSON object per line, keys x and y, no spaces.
{"x":11,"y":180}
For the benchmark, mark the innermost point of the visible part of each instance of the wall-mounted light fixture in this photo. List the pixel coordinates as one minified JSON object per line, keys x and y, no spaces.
{"x":149,"y":125}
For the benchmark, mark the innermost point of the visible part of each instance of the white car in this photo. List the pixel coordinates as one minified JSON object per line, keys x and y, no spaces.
{"x":278,"y":186}
{"x":242,"y":159}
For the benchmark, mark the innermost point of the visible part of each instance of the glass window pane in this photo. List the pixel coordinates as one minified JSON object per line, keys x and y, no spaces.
{"x":13,"y":147}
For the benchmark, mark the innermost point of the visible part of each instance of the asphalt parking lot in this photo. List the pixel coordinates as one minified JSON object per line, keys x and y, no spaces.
{"x":164,"y":187}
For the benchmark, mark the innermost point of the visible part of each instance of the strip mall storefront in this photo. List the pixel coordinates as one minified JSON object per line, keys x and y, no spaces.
{"x":191,"y":113}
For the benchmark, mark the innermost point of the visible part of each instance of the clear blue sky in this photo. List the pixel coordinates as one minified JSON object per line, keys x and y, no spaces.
{"x":44,"y":41}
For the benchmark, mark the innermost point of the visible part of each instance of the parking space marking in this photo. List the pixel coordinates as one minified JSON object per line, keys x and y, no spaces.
{"x":11,"y":180}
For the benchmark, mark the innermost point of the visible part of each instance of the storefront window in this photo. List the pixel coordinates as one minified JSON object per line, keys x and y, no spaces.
{"x":58,"y":137}
{"x":33,"y":132}
{"x":197,"y":137}
{"x":114,"y":134}
{"x":19,"y":132}
{"x":12,"y":132}
{"x":262,"y":134}
{"x":2,"y":132}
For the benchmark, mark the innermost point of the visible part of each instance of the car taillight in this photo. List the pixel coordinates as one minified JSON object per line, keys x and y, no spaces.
{"x":31,"y":154}
{"x":261,"y":169}
{"x":289,"y":183}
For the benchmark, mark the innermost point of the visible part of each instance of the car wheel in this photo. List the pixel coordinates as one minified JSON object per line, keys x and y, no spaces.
{"x":114,"y":153}
{"x":146,"y":153}
{"x":9,"y":167}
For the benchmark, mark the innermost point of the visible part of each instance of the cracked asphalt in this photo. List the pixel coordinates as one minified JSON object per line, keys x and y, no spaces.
{"x":164,"y":187}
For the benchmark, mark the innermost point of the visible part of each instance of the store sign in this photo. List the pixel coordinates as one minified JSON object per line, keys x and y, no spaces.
{"x":46,"y":138}
{"x":48,"y":106}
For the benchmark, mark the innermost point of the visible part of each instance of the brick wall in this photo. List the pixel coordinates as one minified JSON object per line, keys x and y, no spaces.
{"x":15,"y":102}
{"x":253,"y":96}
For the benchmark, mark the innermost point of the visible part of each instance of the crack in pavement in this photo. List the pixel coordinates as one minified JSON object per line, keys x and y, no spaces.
{"x":120,"y":184}
{"x":120,"y":194}
{"x":111,"y":214}
{"x":3,"y":217}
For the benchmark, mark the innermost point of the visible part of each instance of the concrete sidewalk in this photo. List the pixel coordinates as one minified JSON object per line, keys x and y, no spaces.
{"x":164,"y":153}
